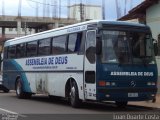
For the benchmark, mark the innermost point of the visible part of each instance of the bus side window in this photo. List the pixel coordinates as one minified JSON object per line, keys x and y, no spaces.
{"x":74,"y":42}
{"x":11,"y":52}
{"x":32,"y":49}
{"x":5,"y":52}
{"x":78,"y":42}
{"x":20,"y":50}
{"x":59,"y":45}
{"x":44,"y":47}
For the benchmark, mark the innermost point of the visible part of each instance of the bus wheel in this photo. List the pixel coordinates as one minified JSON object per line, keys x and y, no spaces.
{"x":19,"y":91}
{"x":121,"y":104}
{"x":74,"y":96}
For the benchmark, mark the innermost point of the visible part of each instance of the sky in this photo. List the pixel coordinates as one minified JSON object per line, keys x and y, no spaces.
{"x":28,"y":7}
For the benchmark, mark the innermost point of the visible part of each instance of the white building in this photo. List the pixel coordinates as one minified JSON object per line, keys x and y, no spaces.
{"x":148,"y":12}
{"x":153,"y":19}
{"x":90,"y":12}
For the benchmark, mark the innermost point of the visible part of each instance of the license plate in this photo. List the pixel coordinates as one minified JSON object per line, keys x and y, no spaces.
{"x":132,"y":94}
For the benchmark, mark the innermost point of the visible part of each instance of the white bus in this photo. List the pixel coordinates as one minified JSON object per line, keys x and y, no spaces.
{"x":90,"y":61}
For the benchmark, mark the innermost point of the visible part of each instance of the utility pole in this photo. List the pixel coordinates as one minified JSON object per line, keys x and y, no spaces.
{"x":81,"y":11}
{"x":103,"y":9}
{"x":44,"y":8}
{"x":59,"y":9}
{"x":69,"y":9}
{"x":3,"y":8}
{"x":54,"y":14}
{"x":19,"y":8}
{"x":19,"y":19}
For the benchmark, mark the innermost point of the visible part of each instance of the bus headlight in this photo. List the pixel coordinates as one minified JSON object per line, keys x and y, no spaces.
{"x":151,"y":83}
{"x":113,"y":83}
{"x":104,"y":83}
{"x":148,"y":83}
{"x":107,"y":95}
{"x":108,"y":83}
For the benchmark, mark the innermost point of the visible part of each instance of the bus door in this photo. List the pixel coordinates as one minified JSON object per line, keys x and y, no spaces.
{"x":90,"y":66}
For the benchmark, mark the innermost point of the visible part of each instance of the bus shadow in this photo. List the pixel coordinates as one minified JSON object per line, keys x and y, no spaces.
{"x":111,"y":107}
{"x":46,"y":99}
{"x":101,"y":107}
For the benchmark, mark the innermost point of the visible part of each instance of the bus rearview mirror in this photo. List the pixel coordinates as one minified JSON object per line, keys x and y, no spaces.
{"x":155,"y":48}
{"x":155,"y":44}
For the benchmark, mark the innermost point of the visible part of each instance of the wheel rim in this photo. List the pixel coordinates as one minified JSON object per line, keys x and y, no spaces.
{"x":73,"y":94}
{"x":18,"y":88}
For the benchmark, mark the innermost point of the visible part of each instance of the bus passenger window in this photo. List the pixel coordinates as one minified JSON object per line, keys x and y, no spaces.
{"x":11,"y":52}
{"x":20,"y":50}
{"x":5,"y":53}
{"x":44,"y":47}
{"x":59,"y":45}
{"x":74,"y":42}
{"x":32,"y":49}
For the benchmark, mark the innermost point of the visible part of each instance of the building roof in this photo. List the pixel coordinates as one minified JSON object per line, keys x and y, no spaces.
{"x":139,"y":11}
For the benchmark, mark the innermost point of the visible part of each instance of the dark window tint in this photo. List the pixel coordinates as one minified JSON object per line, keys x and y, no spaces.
{"x":59,"y":45}
{"x":90,"y":76}
{"x":44,"y":47}
{"x":12,"y":51}
{"x":159,"y":45}
{"x":32,"y":49}
{"x":20,"y":51}
{"x":5,"y":52}
{"x":90,"y":46}
{"x":74,"y":42}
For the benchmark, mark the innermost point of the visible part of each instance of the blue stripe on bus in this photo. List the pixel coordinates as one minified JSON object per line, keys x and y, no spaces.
{"x":26,"y":87}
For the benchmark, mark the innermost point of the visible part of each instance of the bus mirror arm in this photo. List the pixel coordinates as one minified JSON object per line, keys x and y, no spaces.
{"x":155,"y":47}
{"x":99,"y":44}
{"x":98,"y":47}
{"x":1,"y":59}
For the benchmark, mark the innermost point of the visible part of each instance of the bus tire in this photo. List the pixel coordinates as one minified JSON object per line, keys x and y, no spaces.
{"x":121,"y":104}
{"x":74,"y":96}
{"x":19,"y":90}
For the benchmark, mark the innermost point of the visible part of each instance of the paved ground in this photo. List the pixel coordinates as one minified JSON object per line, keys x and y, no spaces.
{"x":149,"y":103}
{"x":42,"y":105}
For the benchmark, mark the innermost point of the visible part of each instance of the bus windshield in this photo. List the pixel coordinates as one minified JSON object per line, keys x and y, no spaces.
{"x":127,"y":47}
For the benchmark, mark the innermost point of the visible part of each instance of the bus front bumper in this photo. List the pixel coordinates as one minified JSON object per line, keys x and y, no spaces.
{"x":126,"y":94}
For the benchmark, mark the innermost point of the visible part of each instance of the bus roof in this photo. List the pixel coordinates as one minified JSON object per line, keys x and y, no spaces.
{"x":63,"y":30}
